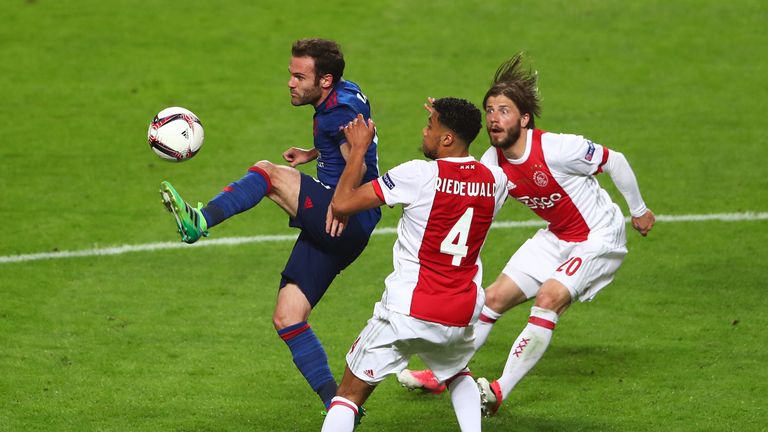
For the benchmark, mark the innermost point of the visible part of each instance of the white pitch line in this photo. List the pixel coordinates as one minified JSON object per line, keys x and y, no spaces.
{"x":119,"y":250}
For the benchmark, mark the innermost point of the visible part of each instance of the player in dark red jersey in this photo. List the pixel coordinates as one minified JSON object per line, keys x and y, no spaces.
{"x":316,"y":70}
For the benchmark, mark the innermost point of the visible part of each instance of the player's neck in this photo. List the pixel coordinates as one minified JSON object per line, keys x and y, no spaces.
{"x":322,"y":97}
{"x":324,"y":92}
{"x":517,"y":150}
{"x":452,"y":152}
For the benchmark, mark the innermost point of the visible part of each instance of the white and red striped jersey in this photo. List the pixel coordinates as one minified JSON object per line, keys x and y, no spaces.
{"x":448,"y":207}
{"x":555,"y":178}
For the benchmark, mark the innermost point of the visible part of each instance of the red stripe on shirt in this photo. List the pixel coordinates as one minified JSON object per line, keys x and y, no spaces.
{"x":377,"y":189}
{"x":565,"y":219}
{"x":605,"y":159}
{"x":446,"y":293}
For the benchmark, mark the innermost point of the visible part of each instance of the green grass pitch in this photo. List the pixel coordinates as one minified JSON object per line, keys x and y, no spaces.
{"x":182,"y":340}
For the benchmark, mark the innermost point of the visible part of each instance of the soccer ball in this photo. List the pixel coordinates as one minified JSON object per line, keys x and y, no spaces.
{"x":175,"y":134}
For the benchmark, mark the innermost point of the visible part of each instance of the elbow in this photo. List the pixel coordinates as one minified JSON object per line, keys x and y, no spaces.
{"x":618,"y":156}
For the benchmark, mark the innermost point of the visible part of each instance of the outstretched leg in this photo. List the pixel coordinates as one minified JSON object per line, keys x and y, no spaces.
{"x":279,"y":183}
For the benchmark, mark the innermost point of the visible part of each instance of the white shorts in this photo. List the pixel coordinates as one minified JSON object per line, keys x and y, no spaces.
{"x":584,"y":267}
{"x":390,"y":339}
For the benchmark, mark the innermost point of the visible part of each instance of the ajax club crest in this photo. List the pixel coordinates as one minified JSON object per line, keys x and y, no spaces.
{"x":540,"y":179}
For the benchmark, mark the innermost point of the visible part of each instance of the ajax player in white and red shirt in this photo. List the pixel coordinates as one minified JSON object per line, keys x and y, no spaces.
{"x":582,"y":247}
{"x":434,"y":295}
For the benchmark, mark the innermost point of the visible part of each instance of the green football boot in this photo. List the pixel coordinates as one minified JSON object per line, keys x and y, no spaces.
{"x":189,"y":220}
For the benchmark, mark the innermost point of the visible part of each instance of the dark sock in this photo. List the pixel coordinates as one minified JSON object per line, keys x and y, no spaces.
{"x":238,"y":197}
{"x":309,"y":356}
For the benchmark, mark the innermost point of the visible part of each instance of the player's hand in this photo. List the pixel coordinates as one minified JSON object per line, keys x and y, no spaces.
{"x":334,"y":226}
{"x":359,"y":133}
{"x":428,"y":105}
{"x":644,"y":223}
{"x":297,"y":156}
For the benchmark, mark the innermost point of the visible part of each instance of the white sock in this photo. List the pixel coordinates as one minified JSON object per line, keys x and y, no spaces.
{"x":465,"y":398}
{"x":341,"y":416}
{"x":528,"y":348}
{"x":484,"y":326}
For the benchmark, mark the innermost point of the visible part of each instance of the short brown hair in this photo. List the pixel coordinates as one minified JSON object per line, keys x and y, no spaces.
{"x":327,"y":56}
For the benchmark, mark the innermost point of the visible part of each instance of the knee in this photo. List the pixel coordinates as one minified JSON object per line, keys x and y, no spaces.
{"x":264,"y":165}
{"x":553,"y":296}
{"x":281,"y":320}
{"x":282,"y":317}
{"x":493,"y":299}
{"x":278,"y":176}
{"x":290,"y":312}
{"x":500,"y":297}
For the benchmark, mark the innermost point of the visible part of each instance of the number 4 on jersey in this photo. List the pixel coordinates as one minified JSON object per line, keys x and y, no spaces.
{"x":455,"y":243}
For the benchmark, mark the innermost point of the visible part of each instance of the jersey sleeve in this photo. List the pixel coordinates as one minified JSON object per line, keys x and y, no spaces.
{"x":574,"y":154}
{"x":403,"y":183}
{"x":624,"y":179}
{"x":502,"y":192}
{"x":490,"y":157}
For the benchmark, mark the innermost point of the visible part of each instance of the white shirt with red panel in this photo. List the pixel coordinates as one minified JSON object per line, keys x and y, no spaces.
{"x":448,"y":207}
{"x":555,"y":178}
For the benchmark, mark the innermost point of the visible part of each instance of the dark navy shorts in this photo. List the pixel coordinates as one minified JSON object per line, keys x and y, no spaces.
{"x":317,"y":257}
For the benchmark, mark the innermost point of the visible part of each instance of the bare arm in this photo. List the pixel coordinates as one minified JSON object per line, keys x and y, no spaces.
{"x":346,"y":149}
{"x":350,"y":197}
{"x":335,"y":224}
{"x":297,"y":156}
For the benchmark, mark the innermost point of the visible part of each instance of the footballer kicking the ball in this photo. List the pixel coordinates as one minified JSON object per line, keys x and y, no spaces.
{"x":316,"y":70}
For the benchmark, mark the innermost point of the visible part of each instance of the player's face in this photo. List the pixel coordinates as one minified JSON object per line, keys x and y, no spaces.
{"x":431,"y":136}
{"x":502,"y":121}
{"x":303,"y":84}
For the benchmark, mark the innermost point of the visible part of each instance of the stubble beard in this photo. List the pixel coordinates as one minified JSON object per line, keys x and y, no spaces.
{"x":511,"y":136}
{"x":309,"y":97}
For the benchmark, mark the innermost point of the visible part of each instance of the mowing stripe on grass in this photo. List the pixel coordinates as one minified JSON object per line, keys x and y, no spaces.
{"x":119,"y":250}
